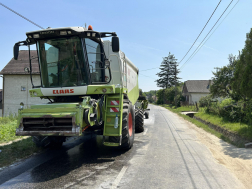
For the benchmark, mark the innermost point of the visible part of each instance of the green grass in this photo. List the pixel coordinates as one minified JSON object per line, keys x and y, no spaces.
{"x":17,"y":151}
{"x":10,"y":153}
{"x":7,"y":129}
{"x":242,"y":129}
{"x":198,"y":123}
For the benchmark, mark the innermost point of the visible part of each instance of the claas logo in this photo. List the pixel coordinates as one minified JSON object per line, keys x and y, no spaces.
{"x":66,"y":91}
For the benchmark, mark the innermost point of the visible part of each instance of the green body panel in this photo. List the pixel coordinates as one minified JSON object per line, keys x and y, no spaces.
{"x":38,"y":91}
{"x":101,"y":89}
{"x":57,"y":110}
{"x":76,"y":113}
{"x":134,"y":94}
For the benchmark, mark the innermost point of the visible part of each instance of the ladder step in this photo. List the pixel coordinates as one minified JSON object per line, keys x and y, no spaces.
{"x":113,"y":97}
{"x":104,"y":134}
{"x":111,"y":144}
{"x":113,"y":106}
{"x":111,"y":125}
{"x":113,"y":114}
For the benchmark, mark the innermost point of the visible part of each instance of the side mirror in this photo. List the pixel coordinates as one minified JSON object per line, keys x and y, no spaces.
{"x":16,"y":51}
{"x":115,"y":44}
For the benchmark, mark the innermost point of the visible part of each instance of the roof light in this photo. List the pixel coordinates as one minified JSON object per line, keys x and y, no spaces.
{"x":35,"y":35}
{"x":93,"y":34}
{"x":90,"y":27}
{"x":63,"y":32}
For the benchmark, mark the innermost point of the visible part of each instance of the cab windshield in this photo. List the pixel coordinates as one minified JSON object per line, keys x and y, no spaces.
{"x":62,"y":62}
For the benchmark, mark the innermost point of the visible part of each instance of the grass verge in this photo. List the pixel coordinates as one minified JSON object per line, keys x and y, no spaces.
{"x":7,"y":129}
{"x":242,"y":129}
{"x":16,"y":151}
{"x":198,"y":123}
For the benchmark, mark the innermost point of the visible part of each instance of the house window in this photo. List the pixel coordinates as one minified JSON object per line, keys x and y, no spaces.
{"x":23,"y":88}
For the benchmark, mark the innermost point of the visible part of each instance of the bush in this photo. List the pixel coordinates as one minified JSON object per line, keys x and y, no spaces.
{"x":205,"y":101}
{"x":7,"y":129}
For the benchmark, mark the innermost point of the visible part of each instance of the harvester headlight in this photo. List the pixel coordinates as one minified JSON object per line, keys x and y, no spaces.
{"x":69,"y":32}
{"x":93,"y":34}
{"x":29,"y":36}
{"x":35,"y":35}
{"x":35,"y":94}
{"x":118,"y":86}
{"x":88,"y":34}
{"x":63,"y":32}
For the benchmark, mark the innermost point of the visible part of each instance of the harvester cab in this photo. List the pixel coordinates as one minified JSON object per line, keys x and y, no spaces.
{"x":90,"y":84}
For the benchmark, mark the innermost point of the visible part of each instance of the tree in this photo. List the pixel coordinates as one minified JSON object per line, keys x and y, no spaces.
{"x":168,"y":74}
{"x":223,"y":78}
{"x":242,"y":83}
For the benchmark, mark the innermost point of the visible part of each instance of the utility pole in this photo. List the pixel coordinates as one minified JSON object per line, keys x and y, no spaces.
{"x":175,"y":85}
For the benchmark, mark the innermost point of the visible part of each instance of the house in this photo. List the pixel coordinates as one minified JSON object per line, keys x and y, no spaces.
{"x":17,"y":82}
{"x":1,"y":101}
{"x":193,"y":90}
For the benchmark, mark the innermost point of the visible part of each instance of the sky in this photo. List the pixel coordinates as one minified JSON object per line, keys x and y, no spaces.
{"x":148,"y":30}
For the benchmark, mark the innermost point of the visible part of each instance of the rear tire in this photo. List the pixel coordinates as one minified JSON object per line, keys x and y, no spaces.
{"x":139,"y":120}
{"x":128,"y":127}
{"x":48,"y":141}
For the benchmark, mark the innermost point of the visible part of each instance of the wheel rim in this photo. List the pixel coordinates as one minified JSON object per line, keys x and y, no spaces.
{"x":130,"y":124}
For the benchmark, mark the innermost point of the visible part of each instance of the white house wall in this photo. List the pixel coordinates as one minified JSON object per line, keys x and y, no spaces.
{"x":195,"y":97}
{"x":13,"y":95}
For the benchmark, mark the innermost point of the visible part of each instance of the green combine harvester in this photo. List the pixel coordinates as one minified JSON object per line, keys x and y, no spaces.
{"x":90,"y":84}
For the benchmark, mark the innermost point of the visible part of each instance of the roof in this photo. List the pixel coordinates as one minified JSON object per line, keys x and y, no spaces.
{"x":197,"y":86}
{"x":17,"y":66}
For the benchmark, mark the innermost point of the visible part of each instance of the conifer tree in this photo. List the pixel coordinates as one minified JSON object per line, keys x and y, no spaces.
{"x":169,"y":71}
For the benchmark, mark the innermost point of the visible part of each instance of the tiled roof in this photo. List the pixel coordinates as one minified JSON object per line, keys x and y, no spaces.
{"x":17,"y":66}
{"x":198,"y":86}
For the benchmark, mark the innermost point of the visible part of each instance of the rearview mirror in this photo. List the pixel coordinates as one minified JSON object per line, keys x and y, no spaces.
{"x":115,"y":44}
{"x":16,"y":51}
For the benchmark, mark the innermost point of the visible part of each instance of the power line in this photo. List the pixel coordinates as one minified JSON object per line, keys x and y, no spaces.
{"x":213,"y":31}
{"x":201,"y":31}
{"x":21,"y":15}
{"x":207,"y":34}
{"x":149,"y":69}
{"x":147,"y":76}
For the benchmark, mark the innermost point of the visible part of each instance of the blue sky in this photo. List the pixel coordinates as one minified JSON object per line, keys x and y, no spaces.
{"x":148,"y":30}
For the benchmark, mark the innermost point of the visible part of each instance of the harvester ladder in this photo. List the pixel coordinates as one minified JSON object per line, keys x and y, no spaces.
{"x":114,"y":107}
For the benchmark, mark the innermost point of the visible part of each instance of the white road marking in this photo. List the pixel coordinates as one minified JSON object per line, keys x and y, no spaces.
{"x":145,"y":131}
{"x":119,"y":177}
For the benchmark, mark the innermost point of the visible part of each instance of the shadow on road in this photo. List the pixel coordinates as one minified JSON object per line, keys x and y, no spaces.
{"x":235,"y":152}
{"x":88,"y":154}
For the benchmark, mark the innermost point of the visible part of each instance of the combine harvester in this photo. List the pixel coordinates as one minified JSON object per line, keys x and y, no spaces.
{"x":91,"y":86}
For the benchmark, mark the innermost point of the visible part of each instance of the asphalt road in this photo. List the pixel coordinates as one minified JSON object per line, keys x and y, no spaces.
{"x":167,"y":154}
